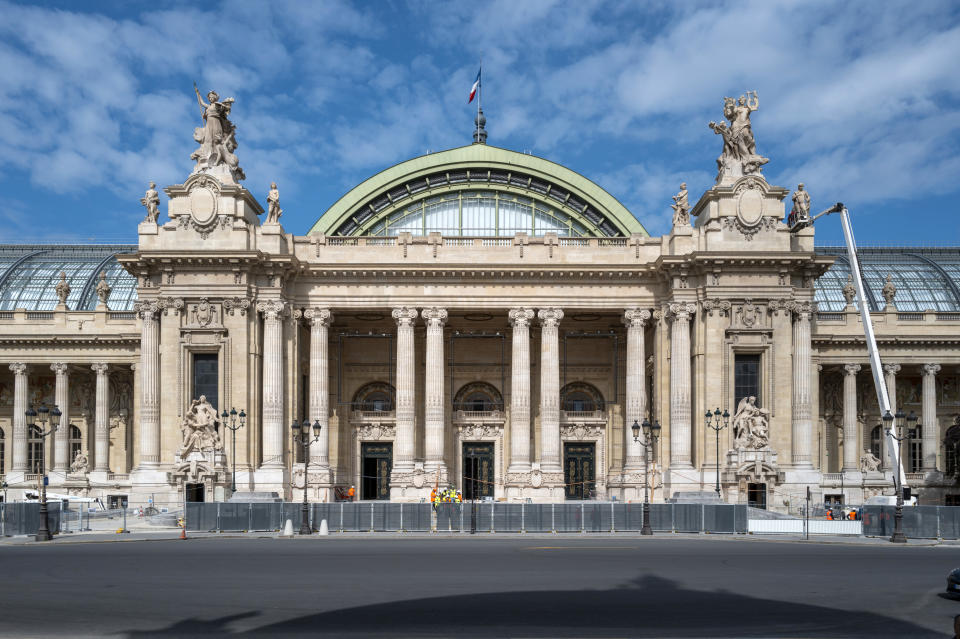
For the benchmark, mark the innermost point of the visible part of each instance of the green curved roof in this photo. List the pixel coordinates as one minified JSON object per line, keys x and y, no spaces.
{"x":478,"y":166}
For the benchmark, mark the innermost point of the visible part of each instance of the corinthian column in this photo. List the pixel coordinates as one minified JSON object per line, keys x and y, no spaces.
{"x":851,"y":445}
{"x":802,"y":423}
{"x":404,"y":443}
{"x":61,"y":444}
{"x":101,"y":417}
{"x":320,"y":320}
{"x":20,"y":463}
{"x":931,"y":428}
{"x":149,"y":384}
{"x":890,"y":373}
{"x":680,"y":427}
{"x":635,"y":320}
{"x":272,"y":383}
{"x":520,"y":391}
{"x":434,"y":426}
{"x":550,"y":390}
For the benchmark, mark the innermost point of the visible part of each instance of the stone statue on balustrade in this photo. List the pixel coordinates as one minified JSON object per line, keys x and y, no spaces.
{"x":849,"y":291}
{"x":198,"y":430}
{"x":151,"y":201}
{"x":739,"y":156}
{"x":889,"y":290}
{"x":80,"y":463}
{"x":751,"y":425}
{"x":681,"y":207}
{"x":273,"y":205}
{"x":801,"y":206}
{"x":217,"y":138}
{"x":63,"y":288}
{"x":869,"y":463}
{"x":103,"y":288}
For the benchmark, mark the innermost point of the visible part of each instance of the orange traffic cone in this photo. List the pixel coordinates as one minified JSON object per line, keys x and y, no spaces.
{"x":183,"y":529}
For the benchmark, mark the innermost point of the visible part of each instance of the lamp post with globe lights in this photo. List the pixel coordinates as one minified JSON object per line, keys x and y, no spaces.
{"x":889,"y":425}
{"x":714,"y":423}
{"x":230,"y":421}
{"x":651,"y":433}
{"x":39,"y":418}
{"x":302,"y":436}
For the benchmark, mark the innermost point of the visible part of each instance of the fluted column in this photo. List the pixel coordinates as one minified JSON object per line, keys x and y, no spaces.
{"x":802,"y":422}
{"x":435,"y":318}
{"x":851,"y":443}
{"x":149,"y":384}
{"x":320,"y":320}
{"x":635,"y":320}
{"x":61,"y":445}
{"x":101,"y":419}
{"x":520,"y":390}
{"x":890,"y":373}
{"x":550,"y":390}
{"x":272,"y":383}
{"x":931,"y":428}
{"x":20,"y":463}
{"x":680,"y":426}
{"x":404,"y":442}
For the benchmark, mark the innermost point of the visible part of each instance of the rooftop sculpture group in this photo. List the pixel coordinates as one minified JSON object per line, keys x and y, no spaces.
{"x":217,"y":137}
{"x":739,"y":156}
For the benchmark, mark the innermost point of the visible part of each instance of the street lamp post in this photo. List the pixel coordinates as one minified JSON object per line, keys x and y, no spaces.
{"x":714,"y":422}
{"x":43,"y":415}
{"x":302,"y":436}
{"x":230,"y":421}
{"x":888,"y":421}
{"x":651,"y":433}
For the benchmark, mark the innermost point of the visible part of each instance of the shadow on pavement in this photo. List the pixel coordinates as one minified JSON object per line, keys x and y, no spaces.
{"x":648,"y":606}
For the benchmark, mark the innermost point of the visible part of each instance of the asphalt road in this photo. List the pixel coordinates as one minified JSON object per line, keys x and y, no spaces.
{"x":491,"y":586}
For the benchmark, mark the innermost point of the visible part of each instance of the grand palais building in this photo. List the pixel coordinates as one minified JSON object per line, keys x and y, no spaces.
{"x":481,"y":318}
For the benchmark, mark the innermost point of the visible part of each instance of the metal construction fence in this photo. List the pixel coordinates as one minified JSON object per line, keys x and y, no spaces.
{"x":919,"y":522}
{"x":23,"y":518}
{"x":378,"y":516}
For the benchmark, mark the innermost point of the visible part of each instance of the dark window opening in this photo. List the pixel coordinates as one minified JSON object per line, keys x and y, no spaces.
{"x":206,"y":378}
{"x":746,"y":378}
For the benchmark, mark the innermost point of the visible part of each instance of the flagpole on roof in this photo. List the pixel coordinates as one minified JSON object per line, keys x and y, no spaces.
{"x":479,"y":94}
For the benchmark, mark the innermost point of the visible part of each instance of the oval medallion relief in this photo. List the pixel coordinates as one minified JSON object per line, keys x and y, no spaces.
{"x":750,"y":206}
{"x":203,"y":205}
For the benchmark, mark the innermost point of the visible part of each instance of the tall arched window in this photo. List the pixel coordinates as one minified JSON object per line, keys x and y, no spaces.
{"x":376,"y":396}
{"x":34,"y":448}
{"x":478,"y":397}
{"x":76,"y":442}
{"x":581,"y":397}
{"x":876,"y":436}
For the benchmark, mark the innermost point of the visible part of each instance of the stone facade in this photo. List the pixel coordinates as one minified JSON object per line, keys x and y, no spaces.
{"x":573,"y":339}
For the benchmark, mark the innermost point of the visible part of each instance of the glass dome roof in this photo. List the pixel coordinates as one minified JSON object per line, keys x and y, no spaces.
{"x":29,"y":276}
{"x":926,"y":278}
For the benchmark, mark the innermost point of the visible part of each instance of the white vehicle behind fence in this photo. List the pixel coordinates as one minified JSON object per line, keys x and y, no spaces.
{"x":69,"y":501}
{"x":889,"y":500}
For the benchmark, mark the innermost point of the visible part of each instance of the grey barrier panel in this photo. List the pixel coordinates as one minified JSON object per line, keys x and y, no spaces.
{"x":22,"y":518}
{"x":292,"y":512}
{"x":416,"y":517}
{"x":234,"y":516}
{"x":508,"y":517}
{"x":688,"y":517}
{"x":719,"y":518}
{"x":392,"y":517}
{"x":920,"y":522}
{"x":742,"y":518}
{"x":568,"y":517}
{"x":661,"y":517}
{"x":330,"y":512}
{"x":874,"y":521}
{"x":950,"y":522}
{"x":264,"y":516}
{"x":356,"y":516}
{"x":484,"y":517}
{"x":536,"y":517}
{"x":201,"y":516}
{"x":448,"y":517}
{"x":597,"y":516}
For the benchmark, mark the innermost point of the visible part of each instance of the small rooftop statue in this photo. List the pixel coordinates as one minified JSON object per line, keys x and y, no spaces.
{"x":681,"y":207}
{"x":849,"y":292}
{"x":63,"y":288}
{"x":801,"y":206}
{"x":151,"y":200}
{"x":739,"y":156}
{"x":217,"y":137}
{"x":273,"y":205}
{"x":889,"y":290}
{"x":103,"y":289}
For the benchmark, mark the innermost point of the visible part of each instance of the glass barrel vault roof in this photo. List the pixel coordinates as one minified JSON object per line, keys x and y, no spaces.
{"x":926,"y":278}
{"x":29,"y":276}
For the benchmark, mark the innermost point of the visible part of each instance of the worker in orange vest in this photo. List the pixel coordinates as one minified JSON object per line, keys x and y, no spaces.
{"x":829,"y":514}
{"x":351,"y":493}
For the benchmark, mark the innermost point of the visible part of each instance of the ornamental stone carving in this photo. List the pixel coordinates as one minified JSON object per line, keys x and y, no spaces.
{"x":203,"y":312}
{"x":682,"y":310}
{"x":550,"y":317}
{"x":319,"y":316}
{"x":271,"y":309}
{"x":636,"y":318}
{"x":80,"y":463}
{"x":404,"y":316}
{"x":889,"y":290}
{"x":719,"y":306}
{"x":849,"y":291}
{"x":580,"y":430}
{"x":520,"y":316}
{"x":739,"y":156}
{"x":747,"y":314}
{"x":376,"y":430}
{"x":63,"y":288}
{"x":480,"y":431}
{"x":170,"y":305}
{"x":751,"y":425}
{"x":198,"y":430}
{"x":103,"y":288}
{"x":233,"y":305}
{"x":217,"y":138}
{"x":434,"y":316}
{"x":869,"y":463}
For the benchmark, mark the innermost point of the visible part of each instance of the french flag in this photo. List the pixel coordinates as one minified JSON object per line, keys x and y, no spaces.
{"x":473,"y":91}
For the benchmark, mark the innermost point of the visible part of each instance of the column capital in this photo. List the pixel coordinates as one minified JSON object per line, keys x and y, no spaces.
{"x":891,"y":369}
{"x":100,"y":368}
{"x":550,"y":316}
{"x":60,"y":368}
{"x":18,"y":368}
{"x":404,"y":316}
{"x":170,"y":304}
{"x":319,"y":316}
{"x":520,"y":317}
{"x":134,"y":367}
{"x":434,"y":316}
{"x":682,"y":310}
{"x":636,"y":317}
{"x":931,"y":369}
{"x":852,"y":369}
{"x":146,"y":309}
{"x":233,"y":305}
{"x":271,"y":309}
{"x":803,"y":310}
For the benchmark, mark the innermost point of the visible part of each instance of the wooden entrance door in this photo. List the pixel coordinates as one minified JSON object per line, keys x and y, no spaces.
{"x":579,"y":470}
{"x":376,"y":461}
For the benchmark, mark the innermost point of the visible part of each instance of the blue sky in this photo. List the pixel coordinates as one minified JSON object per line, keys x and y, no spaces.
{"x":859,"y":100}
